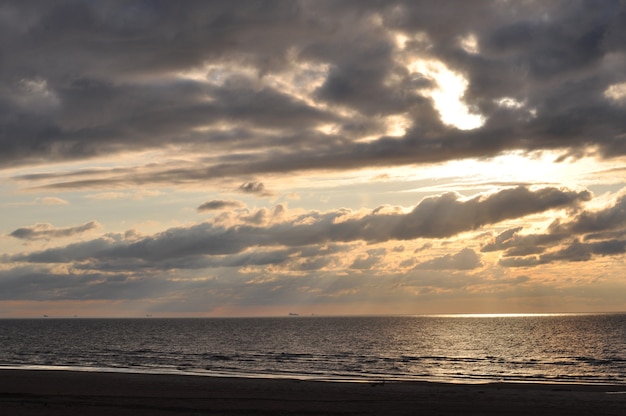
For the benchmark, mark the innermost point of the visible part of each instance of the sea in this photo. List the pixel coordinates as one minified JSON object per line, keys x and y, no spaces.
{"x":571,"y":348}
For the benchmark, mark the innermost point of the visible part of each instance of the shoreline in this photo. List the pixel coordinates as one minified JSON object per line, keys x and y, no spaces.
{"x":65,"y":392}
{"x":310,"y":377}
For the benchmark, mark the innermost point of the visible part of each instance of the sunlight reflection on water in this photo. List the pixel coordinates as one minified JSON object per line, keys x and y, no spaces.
{"x":468,"y":348}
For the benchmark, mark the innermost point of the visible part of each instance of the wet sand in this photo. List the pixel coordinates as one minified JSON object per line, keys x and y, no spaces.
{"x":43,"y":392}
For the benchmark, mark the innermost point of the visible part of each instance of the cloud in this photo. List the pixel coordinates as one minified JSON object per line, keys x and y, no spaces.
{"x":602,"y":232}
{"x":51,"y":200}
{"x":257,"y":217}
{"x":423,"y":247}
{"x":219,"y":205}
{"x":447,"y":215}
{"x":369,"y":260}
{"x":610,"y":218}
{"x":502,"y":240}
{"x":576,"y":251}
{"x":145,"y":77}
{"x":255,"y":188}
{"x":40,"y":201}
{"x":45,"y":284}
{"x":515,"y":244}
{"x":466,"y":259}
{"x":136,"y":195}
{"x":435,"y":217}
{"x":47,"y":231}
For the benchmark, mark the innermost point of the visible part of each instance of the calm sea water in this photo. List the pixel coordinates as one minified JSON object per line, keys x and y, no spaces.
{"x":565,"y":348}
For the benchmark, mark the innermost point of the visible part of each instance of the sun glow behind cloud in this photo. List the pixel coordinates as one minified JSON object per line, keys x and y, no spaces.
{"x":511,"y":168}
{"x":448,"y":94}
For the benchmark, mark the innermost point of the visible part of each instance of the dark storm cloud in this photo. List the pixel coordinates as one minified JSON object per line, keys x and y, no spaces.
{"x":116,"y":88}
{"x":434,"y":217}
{"x":47,"y":231}
{"x":219,"y":204}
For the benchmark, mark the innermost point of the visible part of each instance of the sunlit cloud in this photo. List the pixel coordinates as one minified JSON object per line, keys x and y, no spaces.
{"x":469,"y":43}
{"x":616,"y":92}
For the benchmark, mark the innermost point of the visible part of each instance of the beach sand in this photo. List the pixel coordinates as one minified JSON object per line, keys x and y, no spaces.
{"x":47,"y":392}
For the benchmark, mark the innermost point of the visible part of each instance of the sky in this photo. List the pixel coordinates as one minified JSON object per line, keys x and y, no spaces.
{"x":258,"y":158}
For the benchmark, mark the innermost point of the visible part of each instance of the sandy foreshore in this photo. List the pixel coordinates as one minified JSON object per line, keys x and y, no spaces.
{"x":43,"y":392}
